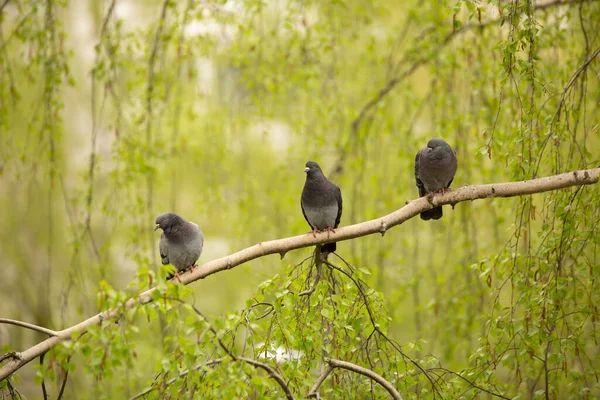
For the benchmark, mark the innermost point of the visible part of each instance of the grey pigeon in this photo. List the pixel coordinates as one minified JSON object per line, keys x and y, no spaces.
{"x":435,"y":166}
{"x":321,"y":202}
{"x":180,"y":243}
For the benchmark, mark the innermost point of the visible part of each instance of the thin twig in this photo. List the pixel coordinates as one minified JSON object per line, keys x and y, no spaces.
{"x":473,"y":385}
{"x":43,"y":382}
{"x":13,"y":354}
{"x":376,"y":326}
{"x":64,"y":382}
{"x":318,"y":265}
{"x":27,"y":325}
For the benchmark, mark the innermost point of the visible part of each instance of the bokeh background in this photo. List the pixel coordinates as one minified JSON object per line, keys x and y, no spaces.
{"x":113,"y":112}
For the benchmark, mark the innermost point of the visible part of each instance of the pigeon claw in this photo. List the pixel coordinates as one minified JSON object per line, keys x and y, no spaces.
{"x":330,"y":229}
{"x":314,"y":232}
{"x":191,"y":268}
{"x":176,"y":276}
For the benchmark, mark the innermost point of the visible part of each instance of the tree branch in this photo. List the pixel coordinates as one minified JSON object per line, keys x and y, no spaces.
{"x":333,"y":364}
{"x":379,"y":225}
{"x":314,"y":391}
{"x":27,"y":325}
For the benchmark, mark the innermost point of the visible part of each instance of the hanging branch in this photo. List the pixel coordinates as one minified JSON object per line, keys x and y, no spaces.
{"x":282,"y":246}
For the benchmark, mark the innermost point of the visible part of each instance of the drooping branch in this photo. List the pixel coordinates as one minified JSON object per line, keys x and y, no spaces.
{"x":333,"y":364}
{"x":282,"y":246}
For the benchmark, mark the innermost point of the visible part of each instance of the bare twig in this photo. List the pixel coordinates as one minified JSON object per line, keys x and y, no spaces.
{"x":13,"y":354}
{"x":465,"y":193}
{"x":27,"y":325}
{"x":44,"y":392}
{"x":64,"y":382}
{"x":333,"y":363}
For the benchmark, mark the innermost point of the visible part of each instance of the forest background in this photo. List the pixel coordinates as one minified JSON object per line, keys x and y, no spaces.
{"x":112,"y":112}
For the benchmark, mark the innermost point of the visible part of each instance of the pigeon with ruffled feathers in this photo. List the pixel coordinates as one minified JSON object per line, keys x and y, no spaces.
{"x":180,"y":243}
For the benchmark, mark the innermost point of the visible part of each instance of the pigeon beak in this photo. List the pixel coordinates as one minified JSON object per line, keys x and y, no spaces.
{"x":306,"y":169}
{"x":156,"y":227}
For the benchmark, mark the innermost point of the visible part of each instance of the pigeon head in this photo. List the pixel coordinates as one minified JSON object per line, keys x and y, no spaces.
{"x":312,"y":169}
{"x":438,"y":143}
{"x":168,"y":221}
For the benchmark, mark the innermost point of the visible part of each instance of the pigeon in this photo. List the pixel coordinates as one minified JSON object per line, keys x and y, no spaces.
{"x":435,"y":166}
{"x":321,"y":203}
{"x":180,"y":243}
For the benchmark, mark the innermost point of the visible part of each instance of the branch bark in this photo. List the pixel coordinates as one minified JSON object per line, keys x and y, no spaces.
{"x":282,"y":246}
{"x":333,"y":364}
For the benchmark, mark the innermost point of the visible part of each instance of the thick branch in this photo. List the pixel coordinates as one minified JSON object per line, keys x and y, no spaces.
{"x":333,"y":363}
{"x":379,"y":225}
{"x":28,"y":326}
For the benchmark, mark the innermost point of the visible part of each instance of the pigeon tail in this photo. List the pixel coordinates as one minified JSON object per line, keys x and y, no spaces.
{"x":434,"y":213}
{"x":329,"y":248}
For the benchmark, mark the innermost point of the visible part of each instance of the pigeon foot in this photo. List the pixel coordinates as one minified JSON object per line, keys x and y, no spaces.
{"x":314,"y":232}
{"x":176,"y":276}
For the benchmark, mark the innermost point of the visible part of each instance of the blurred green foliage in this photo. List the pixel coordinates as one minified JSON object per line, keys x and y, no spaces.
{"x":112,"y":112}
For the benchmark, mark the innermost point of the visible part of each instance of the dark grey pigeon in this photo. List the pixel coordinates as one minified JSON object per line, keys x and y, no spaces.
{"x":321,"y":202}
{"x":180,"y":243}
{"x":435,"y":166}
